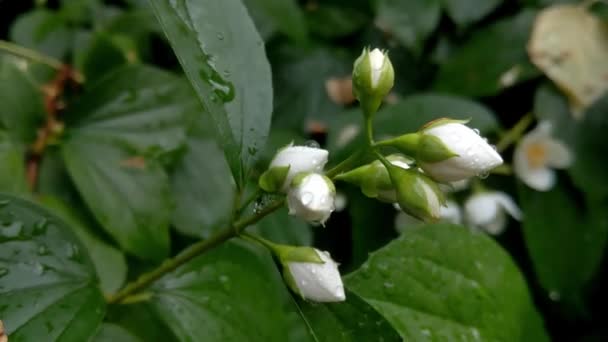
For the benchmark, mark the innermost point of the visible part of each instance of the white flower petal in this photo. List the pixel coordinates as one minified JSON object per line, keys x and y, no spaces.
{"x":539,"y":179}
{"x":475,"y":155}
{"x":312,"y":200}
{"x":300,"y":159}
{"x":451,"y":213}
{"x":558,"y":154}
{"x":507,"y":203}
{"x":376,"y":61}
{"x":481,"y":209}
{"x":318,"y":282}
{"x":497,"y":226}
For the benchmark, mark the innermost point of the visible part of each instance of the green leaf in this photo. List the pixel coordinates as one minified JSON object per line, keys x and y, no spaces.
{"x":139,"y":107}
{"x":223,"y":56}
{"x":231,"y":293}
{"x":203,"y":189}
{"x":109,"y":262}
{"x":351,"y":320}
{"x":282,"y":228}
{"x":42,"y":30}
{"x":114,"y":333}
{"x":140,"y":320}
{"x":566,"y":247}
{"x":466,"y":12}
{"x":47,"y":280}
{"x":285,"y":15}
{"x":128,"y":194}
{"x":22,"y":110}
{"x":99,"y":57}
{"x":12,"y":170}
{"x":444,"y":282}
{"x":335,"y":21}
{"x":481,"y":66}
{"x":302,"y":75}
{"x":411,"y":22}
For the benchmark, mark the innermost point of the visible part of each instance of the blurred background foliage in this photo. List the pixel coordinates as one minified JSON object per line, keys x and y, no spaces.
{"x":456,"y":58}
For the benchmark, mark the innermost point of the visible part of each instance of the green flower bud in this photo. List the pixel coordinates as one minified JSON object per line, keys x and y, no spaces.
{"x":373,"y":78}
{"x":417,"y":194}
{"x":374,"y":180}
{"x":424,"y":147}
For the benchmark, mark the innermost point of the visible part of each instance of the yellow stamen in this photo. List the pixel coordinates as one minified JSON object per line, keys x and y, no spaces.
{"x":536,"y":153}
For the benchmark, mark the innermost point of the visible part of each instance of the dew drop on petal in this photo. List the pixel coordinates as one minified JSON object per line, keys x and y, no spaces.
{"x":312,"y":143}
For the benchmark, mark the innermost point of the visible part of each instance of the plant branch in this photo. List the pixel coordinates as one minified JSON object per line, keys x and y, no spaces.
{"x":37,"y":57}
{"x":195,"y":250}
{"x":513,"y":134}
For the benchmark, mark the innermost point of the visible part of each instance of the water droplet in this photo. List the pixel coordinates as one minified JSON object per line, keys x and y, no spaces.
{"x":12,"y":230}
{"x":40,"y":226}
{"x":389,"y":285}
{"x":307,"y":198}
{"x":476,"y":131}
{"x":312,"y":143}
{"x":220,"y":36}
{"x":3,"y":271}
{"x":224,"y":279}
{"x":303,"y":283}
{"x":72,"y":251}
{"x":252,"y":150}
{"x":483,"y":175}
{"x":43,"y":249}
{"x":38,"y":268}
{"x":555,"y":295}
{"x":227,"y":73}
{"x":425,"y":332}
{"x":4,"y":203}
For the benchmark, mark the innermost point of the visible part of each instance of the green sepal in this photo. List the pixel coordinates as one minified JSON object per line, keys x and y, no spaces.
{"x":287,"y":254}
{"x":442,"y":121}
{"x":407,"y":144}
{"x":410,"y":185}
{"x":272,"y":180}
{"x":372,"y":178}
{"x":432,"y":150}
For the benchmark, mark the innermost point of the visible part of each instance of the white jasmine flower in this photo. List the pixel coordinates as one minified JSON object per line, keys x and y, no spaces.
{"x":472,"y":153}
{"x":311,"y":197}
{"x":487,"y":211}
{"x":319,"y":282}
{"x":537,"y":154}
{"x":299,"y":159}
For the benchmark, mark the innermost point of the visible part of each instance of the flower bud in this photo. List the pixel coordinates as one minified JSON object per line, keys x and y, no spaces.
{"x":374,"y":180}
{"x":448,"y":151}
{"x":311,"y":197}
{"x":290,"y":161}
{"x":312,"y":273}
{"x":417,"y":194}
{"x":373,"y":78}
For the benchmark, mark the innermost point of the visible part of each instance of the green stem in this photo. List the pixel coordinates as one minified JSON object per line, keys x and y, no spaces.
{"x":346,"y":164}
{"x":29,"y":54}
{"x":195,"y":250}
{"x":37,"y":57}
{"x":258,"y":239}
{"x":513,"y":134}
{"x":369,"y":129}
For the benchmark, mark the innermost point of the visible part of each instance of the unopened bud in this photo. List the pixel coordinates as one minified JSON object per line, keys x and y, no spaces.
{"x":312,"y":274}
{"x":311,"y":197}
{"x":290,"y":161}
{"x":373,"y":78}
{"x":417,"y":194}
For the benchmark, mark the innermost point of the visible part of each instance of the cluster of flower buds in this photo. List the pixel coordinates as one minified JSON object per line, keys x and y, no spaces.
{"x":443,"y":151}
{"x":297,"y":172}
